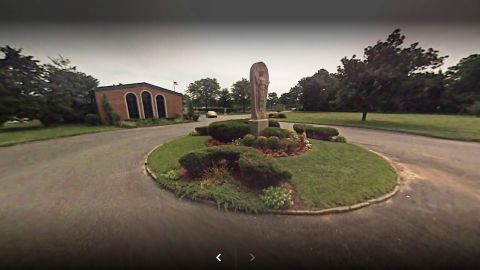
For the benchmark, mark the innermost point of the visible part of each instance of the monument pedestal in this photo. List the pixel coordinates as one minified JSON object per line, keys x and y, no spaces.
{"x":257,"y":126}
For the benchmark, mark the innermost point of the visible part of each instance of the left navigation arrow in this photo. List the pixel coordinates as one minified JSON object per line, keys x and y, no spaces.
{"x":218,"y":257}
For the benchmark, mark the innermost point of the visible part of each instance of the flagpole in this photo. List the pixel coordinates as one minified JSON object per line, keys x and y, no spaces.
{"x":174,"y":86}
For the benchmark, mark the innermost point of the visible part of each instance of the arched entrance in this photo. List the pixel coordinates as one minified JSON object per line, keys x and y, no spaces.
{"x":161,"y":110}
{"x":147,"y":104}
{"x":132,"y":106}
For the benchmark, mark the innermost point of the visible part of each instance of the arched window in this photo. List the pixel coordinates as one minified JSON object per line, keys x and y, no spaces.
{"x":132,"y":106}
{"x":147,"y":104}
{"x":161,"y":106}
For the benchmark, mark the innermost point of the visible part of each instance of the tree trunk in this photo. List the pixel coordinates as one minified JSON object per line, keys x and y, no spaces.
{"x":364,"y":116}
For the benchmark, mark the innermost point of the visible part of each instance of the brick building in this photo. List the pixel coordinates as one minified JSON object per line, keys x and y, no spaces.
{"x":139,"y":101}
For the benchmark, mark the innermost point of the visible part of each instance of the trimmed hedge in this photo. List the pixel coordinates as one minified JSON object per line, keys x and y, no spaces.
{"x":248,"y":140}
{"x":282,"y":115}
{"x":230,"y":130}
{"x":253,"y":166}
{"x":273,"y":123}
{"x":299,"y":128}
{"x":202,"y":131}
{"x":273,"y":142}
{"x":340,"y":139}
{"x":275,"y":131}
{"x":321,"y":133}
{"x":260,"y":142}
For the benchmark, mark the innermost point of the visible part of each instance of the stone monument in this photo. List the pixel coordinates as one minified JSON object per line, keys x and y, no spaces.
{"x":259,"y":81}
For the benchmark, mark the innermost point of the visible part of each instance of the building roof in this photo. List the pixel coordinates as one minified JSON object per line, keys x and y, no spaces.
{"x":132,"y":85}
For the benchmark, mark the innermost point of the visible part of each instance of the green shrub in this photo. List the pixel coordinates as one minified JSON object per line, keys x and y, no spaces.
{"x":202,"y":131}
{"x":272,"y":115}
{"x":291,"y":145}
{"x":273,"y":142}
{"x":172,"y":175}
{"x":340,"y":139}
{"x":193,"y":133}
{"x":261,"y":171}
{"x":475,"y":108}
{"x":299,"y":128}
{"x":282,"y":115}
{"x":253,"y":166}
{"x":227,"y":131}
{"x":92,"y":119}
{"x":260,"y":142}
{"x":275,"y":131}
{"x":127,"y":124}
{"x":277,"y":198}
{"x":273,"y":123}
{"x":321,"y":133}
{"x":248,"y":140}
{"x":197,"y":161}
{"x":195,"y":117}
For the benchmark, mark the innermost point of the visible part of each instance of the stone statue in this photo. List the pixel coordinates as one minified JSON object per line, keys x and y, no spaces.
{"x":258,"y":90}
{"x":259,"y":81}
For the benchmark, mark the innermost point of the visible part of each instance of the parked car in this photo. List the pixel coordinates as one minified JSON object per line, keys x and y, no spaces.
{"x":211,"y":114}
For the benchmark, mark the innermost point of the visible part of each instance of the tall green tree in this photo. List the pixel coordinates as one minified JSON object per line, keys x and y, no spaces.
{"x":70,"y":92}
{"x":204,"y":91}
{"x":241,"y":93}
{"x":272,"y":100}
{"x":463,"y":83}
{"x":318,"y":92}
{"x":225,"y":98}
{"x":291,"y":99}
{"x":371,"y":83}
{"x":421,"y":92}
{"x":22,"y":85}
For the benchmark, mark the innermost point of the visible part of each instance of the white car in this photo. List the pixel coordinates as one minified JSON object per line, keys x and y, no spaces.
{"x":211,"y":114}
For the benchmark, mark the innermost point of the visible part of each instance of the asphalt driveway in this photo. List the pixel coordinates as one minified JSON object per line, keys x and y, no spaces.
{"x":86,"y":202}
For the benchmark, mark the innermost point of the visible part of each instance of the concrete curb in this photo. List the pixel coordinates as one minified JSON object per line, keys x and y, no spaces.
{"x":334,"y":210}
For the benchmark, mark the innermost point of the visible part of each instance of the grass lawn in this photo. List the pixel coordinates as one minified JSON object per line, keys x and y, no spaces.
{"x":338,"y":174}
{"x":12,"y":134}
{"x":332,"y":174}
{"x":15,"y":133}
{"x":457,"y":127}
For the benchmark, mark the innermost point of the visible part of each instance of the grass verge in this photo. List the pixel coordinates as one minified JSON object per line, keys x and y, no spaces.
{"x":12,"y":136}
{"x":455,"y":127}
{"x":332,"y":174}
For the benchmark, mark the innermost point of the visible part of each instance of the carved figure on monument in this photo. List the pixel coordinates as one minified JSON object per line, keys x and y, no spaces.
{"x":259,"y":81}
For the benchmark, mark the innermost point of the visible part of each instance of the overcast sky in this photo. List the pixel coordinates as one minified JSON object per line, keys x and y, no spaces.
{"x":160,"y":53}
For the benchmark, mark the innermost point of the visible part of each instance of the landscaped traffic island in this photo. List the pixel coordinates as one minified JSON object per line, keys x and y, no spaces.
{"x":278,"y":170}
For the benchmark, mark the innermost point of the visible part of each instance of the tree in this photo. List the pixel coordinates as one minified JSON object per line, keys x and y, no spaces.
{"x":463,"y":83}
{"x":241,"y":92}
{"x":70,"y":96}
{"x":204,"y":91}
{"x":291,"y":99}
{"x":22,"y":85}
{"x":371,"y":83}
{"x":272,"y":100}
{"x":318,"y":91}
{"x":421,"y":92}
{"x":225,"y":98}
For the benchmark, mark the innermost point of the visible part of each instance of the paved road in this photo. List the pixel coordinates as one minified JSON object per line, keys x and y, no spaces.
{"x":85,"y":202}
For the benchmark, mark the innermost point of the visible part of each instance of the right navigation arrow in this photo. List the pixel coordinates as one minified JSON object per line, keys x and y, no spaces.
{"x":252,"y":257}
